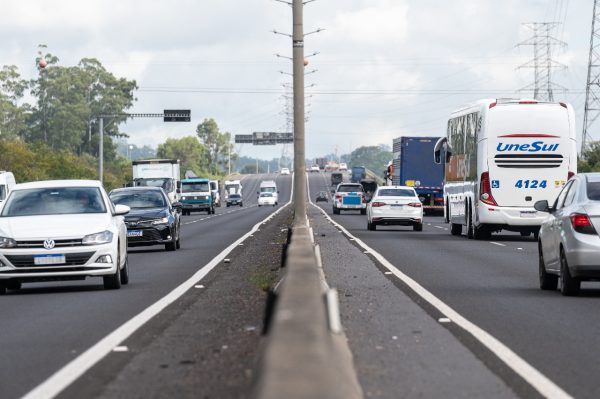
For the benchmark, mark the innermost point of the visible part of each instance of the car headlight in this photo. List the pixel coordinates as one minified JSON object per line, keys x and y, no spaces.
{"x":6,"y":242}
{"x":161,"y":221}
{"x":98,"y":238}
{"x":184,"y":198}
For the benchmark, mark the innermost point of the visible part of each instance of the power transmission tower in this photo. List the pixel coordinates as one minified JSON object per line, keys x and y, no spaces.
{"x":592,"y":90}
{"x":542,"y":62}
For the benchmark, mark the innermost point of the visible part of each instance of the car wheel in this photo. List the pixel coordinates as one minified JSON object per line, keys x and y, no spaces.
{"x":125,"y":273}
{"x":171,"y":246}
{"x":371,"y":226}
{"x":227,"y":205}
{"x":336,"y":211}
{"x":418,"y":227}
{"x":13,"y":285}
{"x":113,"y":282}
{"x":259,"y":205}
{"x":2,"y":288}
{"x":481,"y":233}
{"x":456,"y":229}
{"x":547,"y":281}
{"x":178,"y":242}
{"x":241,"y":204}
{"x":363,"y":211}
{"x":569,"y":286}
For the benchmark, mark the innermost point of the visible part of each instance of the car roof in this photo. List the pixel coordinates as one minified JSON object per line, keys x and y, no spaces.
{"x":405,"y":187}
{"x":138,"y":188}
{"x":58,"y":183}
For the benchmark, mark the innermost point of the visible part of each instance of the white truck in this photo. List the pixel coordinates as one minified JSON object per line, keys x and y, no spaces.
{"x":233,"y":187}
{"x":7,"y":182}
{"x":269,"y":186}
{"x":163,"y":173}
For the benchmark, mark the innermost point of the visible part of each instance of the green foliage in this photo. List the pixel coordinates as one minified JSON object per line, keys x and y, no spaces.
{"x":590,"y":158}
{"x":217,"y":144}
{"x":188,"y":150}
{"x":374,"y":158}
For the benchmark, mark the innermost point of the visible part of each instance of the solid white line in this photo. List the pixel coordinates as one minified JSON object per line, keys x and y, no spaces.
{"x":497,"y":243}
{"x":438,"y":227}
{"x":535,"y":378}
{"x":64,"y":377}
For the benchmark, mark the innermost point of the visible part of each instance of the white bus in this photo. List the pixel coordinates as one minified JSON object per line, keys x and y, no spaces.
{"x":501,"y":157}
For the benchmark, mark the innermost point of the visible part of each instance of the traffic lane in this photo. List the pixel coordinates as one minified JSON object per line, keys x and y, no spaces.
{"x":496,"y":288}
{"x":52,"y":323}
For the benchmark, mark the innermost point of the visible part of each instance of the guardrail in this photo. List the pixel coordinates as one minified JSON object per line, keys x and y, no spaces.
{"x":306,"y":354}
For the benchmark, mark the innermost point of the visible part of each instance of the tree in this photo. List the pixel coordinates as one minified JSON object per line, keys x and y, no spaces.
{"x":13,"y":118}
{"x":373,"y":158}
{"x":188,"y":150}
{"x":590,"y":158}
{"x":218,"y":144}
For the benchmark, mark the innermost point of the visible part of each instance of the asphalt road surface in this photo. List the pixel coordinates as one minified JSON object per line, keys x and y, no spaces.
{"x":494,"y":284}
{"x":46,"y":325}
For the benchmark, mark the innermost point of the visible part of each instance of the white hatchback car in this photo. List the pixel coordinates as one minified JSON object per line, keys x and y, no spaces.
{"x":62,"y":230}
{"x":267,"y":199}
{"x":285,"y":171}
{"x":395,"y":205}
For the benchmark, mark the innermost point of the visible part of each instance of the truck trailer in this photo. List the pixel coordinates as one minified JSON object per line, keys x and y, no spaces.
{"x":413,"y":165}
{"x":164,"y":173}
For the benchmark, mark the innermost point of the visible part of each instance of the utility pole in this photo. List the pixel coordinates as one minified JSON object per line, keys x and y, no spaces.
{"x":592,"y":90}
{"x":299,"y":151}
{"x":542,"y":62}
{"x":101,"y":151}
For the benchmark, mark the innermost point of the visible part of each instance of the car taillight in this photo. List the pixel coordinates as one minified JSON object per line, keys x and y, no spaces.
{"x":570,"y":174}
{"x":338,"y":197}
{"x":528,"y":102}
{"x":486,"y":190}
{"x":364,"y":199}
{"x":415,"y":204}
{"x":582,"y":224}
{"x":377,"y":204}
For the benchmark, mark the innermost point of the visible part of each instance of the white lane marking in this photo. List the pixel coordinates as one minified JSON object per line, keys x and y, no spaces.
{"x":520,"y":249}
{"x":121,"y":349}
{"x":498,"y":244}
{"x":444,"y":320}
{"x":531,"y":375}
{"x":64,"y":377}
{"x":438,"y":227}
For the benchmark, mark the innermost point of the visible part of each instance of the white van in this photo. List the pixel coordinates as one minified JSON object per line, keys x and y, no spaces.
{"x":7,"y":182}
{"x":269,"y":186}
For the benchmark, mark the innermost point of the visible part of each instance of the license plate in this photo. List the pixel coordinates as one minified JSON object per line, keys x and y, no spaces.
{"x":528,"y":214}
{"x":54,"y":259}
{"x":397,"y":205}
{"x":135,"y":233}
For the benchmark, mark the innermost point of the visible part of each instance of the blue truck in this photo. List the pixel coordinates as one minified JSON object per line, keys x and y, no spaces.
{"x":196,"y":195}
{"x":357,"y":174}
{"x":413,"y":165}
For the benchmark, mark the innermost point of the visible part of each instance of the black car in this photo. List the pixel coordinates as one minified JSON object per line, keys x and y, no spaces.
{"x":234,"y":199}
{"x":322,"y":196}
{"x":152,"y":219}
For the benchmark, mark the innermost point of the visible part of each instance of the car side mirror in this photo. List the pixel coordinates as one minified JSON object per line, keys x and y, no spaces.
{"x":542,"y":206}
{"x":178,"y":191}
{"x":121,"y":210}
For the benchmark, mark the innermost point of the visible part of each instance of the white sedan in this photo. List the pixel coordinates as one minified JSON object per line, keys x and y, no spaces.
{"x":267,"y":199}
{"x":395,"y":205}
{"x":62,"y":230}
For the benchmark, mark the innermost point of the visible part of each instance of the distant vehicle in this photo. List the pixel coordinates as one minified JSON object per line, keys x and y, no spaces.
{"x":215,"y":191}
{"x":315,"y":168}
{"x":321,"y":163}
{"x":349,"y":196}
{"x":233,"y":187}
{"x":234,"y":199}
{"x":269,"y":186}
{"x":568,"y":242}
{"x":163,"y":173}
{"x":152,"y":219}
{"x":322,"y":196}
{"x":395,"y":205}
{"x":266,"y":198}
{"x":7,"y":182}
{"x":285,"y":171}
{"x":62,"y":230}
{"x":369,"y":187}
{"x":414,"y":166}
{"x":358,"y":173}
{"x":502,"y":156}
{"x":196,"y":195}
{"x":343,"y":166}
{"x":336,"y":178}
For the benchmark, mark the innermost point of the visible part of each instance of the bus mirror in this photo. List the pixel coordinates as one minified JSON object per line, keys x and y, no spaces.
{"x":437,"y":150}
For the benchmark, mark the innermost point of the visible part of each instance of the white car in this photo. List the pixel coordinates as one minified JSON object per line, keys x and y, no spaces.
{"x":395,"y":205}
{"x":62,"y":230}
{"x":267,"y":199}
{"x":343,"y":166}
{"x":285,"y":171}
{"x":315,"y":168}
{"x":349,"y":196}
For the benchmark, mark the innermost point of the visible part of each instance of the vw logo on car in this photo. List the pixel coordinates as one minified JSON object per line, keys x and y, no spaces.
{"x":49,"y":244}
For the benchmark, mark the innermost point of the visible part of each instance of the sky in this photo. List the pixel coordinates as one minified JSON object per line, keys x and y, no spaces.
{"x":384,"y":68}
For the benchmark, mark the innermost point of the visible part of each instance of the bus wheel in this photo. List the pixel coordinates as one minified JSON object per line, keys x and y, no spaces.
{"x":456,"y":229}
{"x":470,"y":227}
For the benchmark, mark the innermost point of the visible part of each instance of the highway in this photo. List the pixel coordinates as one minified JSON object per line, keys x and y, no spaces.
{"x":47,"y":325}
{"x":493,"y":284}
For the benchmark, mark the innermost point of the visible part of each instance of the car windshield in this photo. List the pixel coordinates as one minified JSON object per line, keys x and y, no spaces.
{"x":234,"y":196}
{"x":195,"y":187}
{"x":139,"y":199}
{"x":54,"y":201}
{"x":593,"y":190}
{"x":349,"y":189}
{"x":396,"y":192}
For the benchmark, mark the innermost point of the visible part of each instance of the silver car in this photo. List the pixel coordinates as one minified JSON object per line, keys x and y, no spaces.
{"x":568,"y":242}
